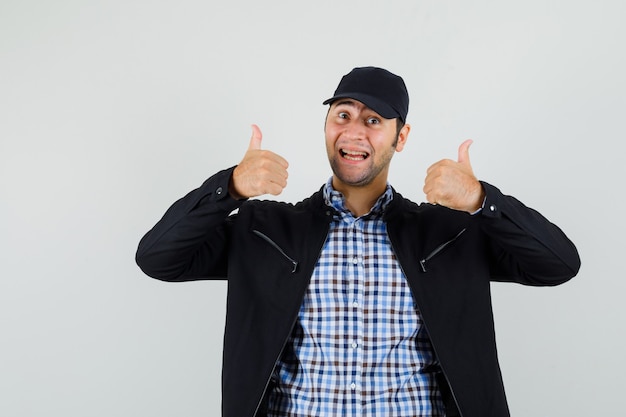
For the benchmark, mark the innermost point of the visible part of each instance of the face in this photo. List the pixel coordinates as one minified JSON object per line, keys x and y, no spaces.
{"x":360,"y":144}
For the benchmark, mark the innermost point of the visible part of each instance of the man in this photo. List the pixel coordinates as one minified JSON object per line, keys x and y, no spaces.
{"x":357,"y":301}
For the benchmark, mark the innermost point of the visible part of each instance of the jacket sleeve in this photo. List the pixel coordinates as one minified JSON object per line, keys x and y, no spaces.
{"x":525,"y":246}
{"x":190,"y":242}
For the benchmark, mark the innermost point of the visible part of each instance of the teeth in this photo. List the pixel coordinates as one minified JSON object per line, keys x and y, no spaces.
{"x":354,"y":155}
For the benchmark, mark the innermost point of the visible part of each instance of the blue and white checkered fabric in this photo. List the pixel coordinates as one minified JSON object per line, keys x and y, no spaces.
{"x":359,"y":347}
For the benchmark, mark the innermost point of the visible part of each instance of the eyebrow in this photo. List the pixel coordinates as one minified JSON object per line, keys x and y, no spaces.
{"x":348,"y":102}
{"x":353,"y":103}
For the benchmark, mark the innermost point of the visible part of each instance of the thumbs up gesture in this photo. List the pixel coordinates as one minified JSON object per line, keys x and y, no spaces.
{"x":452,"y":183}
{"x":259,"y":172}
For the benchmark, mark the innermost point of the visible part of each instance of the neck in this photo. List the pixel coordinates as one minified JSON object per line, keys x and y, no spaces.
{"x":360,"y":200}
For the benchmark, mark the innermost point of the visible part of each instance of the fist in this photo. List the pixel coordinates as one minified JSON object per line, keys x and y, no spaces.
{"x":259,"y":172}
{"x":452,"y":183}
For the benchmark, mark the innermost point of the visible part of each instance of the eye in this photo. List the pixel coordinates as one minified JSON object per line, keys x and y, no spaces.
{"x":373,"y":121}
{"x":342,"y":115}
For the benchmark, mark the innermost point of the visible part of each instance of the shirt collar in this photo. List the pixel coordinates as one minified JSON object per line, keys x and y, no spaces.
{"x":336,"y":200}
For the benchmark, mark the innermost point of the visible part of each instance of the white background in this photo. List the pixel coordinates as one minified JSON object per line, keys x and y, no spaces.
{"x":110,"y":110}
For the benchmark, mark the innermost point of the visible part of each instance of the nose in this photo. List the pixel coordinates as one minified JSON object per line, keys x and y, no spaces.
{"x":355,"y":130}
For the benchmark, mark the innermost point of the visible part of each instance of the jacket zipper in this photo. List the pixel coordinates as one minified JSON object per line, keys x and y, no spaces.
{"x":267,"y":383}
{"x":266,"y":238}
{"x":438,"y":249}
{"x":293,"y":323}
{"x":423,"y":264}
{"x":456,"y":402}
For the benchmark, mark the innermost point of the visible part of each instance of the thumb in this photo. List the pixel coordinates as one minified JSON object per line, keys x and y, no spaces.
{"x":464,"y":157}
{"x":255,"y":140}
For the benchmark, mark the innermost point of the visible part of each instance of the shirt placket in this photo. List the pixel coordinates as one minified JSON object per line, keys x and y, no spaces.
{"x":354,"y":342}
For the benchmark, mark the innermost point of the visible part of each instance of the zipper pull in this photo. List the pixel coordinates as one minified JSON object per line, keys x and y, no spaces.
{"x":278,"y":248}
{"x":439,"y":249}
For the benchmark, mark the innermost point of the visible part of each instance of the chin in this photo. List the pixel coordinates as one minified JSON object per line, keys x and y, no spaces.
{"x":353,"y":180}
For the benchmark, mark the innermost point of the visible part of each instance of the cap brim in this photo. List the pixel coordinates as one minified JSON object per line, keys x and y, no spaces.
{"x":373,"y":103}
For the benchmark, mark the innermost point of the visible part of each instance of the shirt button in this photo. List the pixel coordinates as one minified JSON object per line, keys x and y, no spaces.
{"x":355,"y":345}
{"x":492,"y":207}
{"x":355,"y":260}
{"x":353,"y":385}
{"x":219,"y":191}
{"x":355,"y":304}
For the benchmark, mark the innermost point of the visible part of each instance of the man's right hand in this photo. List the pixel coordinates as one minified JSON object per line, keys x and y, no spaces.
{"x":259,"y":172}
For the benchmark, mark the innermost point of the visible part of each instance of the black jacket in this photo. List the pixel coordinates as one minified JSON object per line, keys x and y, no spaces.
{"x":268,"y":250}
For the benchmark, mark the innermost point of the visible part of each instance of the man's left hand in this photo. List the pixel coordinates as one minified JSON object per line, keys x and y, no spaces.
{"x":452,"y":183}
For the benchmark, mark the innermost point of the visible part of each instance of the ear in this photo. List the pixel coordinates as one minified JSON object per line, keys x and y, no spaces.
{"x":402,"y":137}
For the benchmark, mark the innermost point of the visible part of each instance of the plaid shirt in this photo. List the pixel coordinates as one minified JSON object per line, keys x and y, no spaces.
{"x":359,"y":347}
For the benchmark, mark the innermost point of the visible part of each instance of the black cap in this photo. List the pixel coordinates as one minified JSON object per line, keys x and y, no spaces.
{"x":378,"y":89}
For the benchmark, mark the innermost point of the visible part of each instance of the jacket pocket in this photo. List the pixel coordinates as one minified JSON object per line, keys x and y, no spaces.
{"x":269,"y":240}
{"x":440,"y":249}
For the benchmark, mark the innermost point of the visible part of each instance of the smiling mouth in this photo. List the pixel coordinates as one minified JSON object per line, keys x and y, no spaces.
{"x":353,"y":155}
